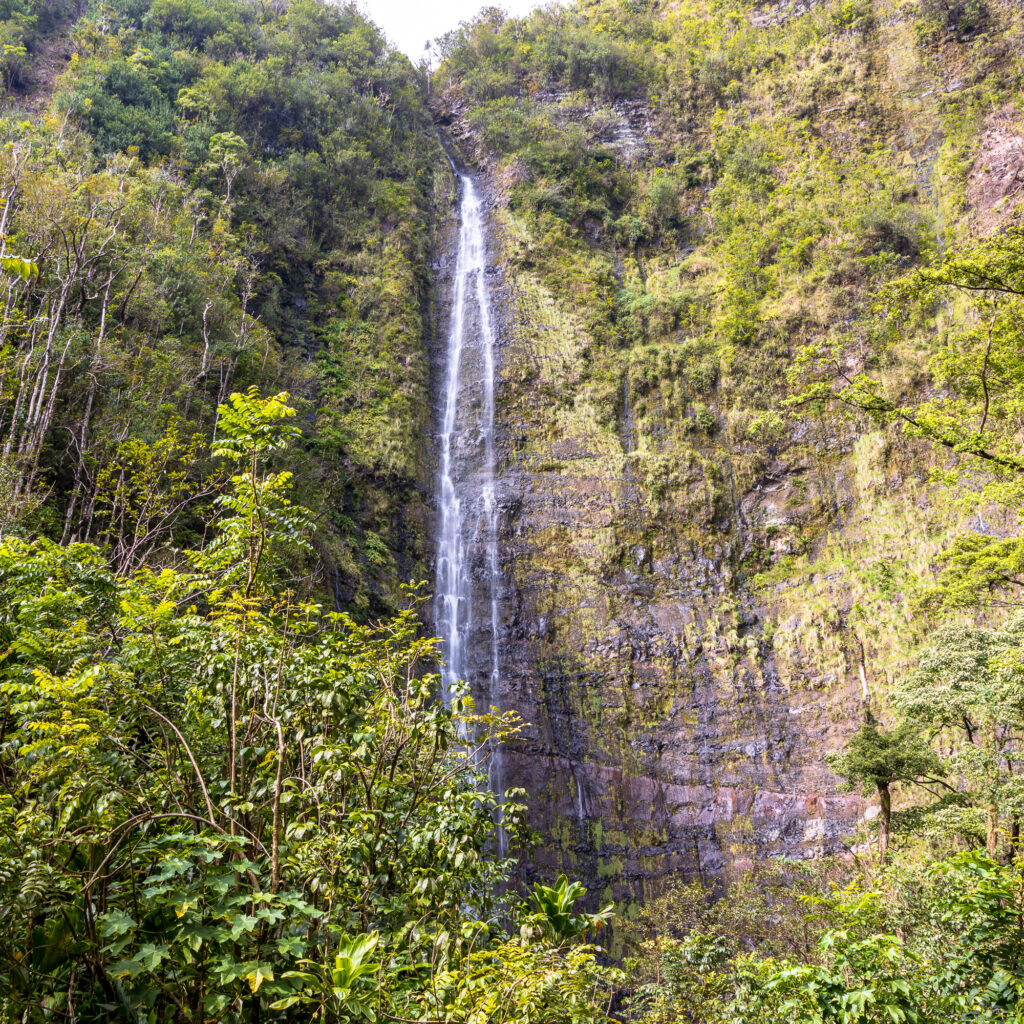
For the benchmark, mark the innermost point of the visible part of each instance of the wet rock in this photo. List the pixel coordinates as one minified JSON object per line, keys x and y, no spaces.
{"x":677,"y":717}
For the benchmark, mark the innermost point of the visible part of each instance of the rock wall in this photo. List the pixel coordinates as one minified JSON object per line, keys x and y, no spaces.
{"x":671,"y":729}
{"x":697,"y":609}
{"x":677,"y":717}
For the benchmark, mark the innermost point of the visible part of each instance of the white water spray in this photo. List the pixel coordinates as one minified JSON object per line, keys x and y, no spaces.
{"x":469,"y":517}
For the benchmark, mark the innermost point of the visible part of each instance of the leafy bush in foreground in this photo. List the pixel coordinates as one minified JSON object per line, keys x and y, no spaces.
{"x":223,"y":804}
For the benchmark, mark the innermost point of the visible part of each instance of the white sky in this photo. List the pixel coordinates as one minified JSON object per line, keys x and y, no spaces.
{"x":408,"y":24}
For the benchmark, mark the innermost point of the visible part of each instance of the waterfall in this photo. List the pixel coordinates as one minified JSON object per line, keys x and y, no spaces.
{"x":468,"y":531}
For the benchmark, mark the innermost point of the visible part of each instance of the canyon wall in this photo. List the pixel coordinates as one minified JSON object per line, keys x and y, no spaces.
{"x":703,"y":593}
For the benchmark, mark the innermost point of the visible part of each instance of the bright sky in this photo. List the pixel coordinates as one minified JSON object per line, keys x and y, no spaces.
{"x":408,"y":24}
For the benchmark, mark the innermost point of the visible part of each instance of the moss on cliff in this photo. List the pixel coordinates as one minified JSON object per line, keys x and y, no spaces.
{"x":706,"y":584}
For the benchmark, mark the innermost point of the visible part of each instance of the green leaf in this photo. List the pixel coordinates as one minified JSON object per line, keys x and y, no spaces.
{"x":116,"y":922}
{"x":256,"y":977}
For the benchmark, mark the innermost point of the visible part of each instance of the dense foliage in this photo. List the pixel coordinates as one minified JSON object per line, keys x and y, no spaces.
{"x":219,"y":195}
{"x":28,"y":30}
{"x":930,"y":945}
{"x":220,"y":799}
{"x":221,"y":802}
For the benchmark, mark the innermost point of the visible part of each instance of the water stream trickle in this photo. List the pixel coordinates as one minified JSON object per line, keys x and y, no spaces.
{"x":469,"y":517}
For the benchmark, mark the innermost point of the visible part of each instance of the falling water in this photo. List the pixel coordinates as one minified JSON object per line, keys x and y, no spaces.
{"x":581,"y":810}
{"x":469,"y":528}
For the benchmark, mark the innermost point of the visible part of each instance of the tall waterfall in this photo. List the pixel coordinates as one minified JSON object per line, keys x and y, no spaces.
{"x":467,"y":550}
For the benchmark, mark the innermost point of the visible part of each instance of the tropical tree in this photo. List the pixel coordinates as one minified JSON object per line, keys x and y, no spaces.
{"x":875,"y":759}
{"x":555,"y":915}
{"x":969,"y":684}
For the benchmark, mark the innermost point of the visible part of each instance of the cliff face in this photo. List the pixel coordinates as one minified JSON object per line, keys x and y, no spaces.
{"x":678,"y":717}
{"x":703,"y":592}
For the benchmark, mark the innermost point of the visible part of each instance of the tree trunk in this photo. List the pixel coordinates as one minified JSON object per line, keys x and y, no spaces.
{"x":884,"y":819}
{"x":992,"y":829}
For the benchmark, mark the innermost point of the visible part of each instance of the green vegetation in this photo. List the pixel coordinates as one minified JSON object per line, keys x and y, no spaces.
{"x":877,"y":759}
{"x":219,"y":195}
{"x":979,"y":379}
{"x":27,"y":28}
{"x":929,"y":945}
{"x":223,"y":803}
{"x":763,"y":285}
